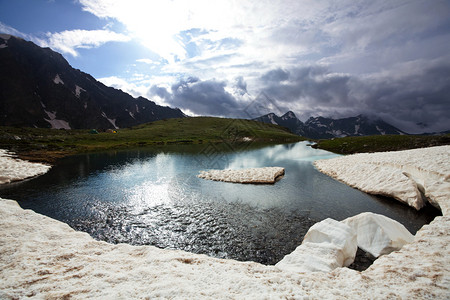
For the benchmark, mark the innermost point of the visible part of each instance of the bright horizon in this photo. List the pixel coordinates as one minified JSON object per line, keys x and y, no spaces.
{"x":389,"y":59}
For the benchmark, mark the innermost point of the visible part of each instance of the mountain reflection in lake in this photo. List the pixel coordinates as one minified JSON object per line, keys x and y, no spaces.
{"x":153,"y":197}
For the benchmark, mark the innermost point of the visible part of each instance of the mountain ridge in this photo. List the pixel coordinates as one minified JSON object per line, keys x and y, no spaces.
{"x":325,"y":128}
{"x":39,"y":88}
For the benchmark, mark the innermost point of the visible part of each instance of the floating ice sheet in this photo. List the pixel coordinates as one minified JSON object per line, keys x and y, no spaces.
{"x":251,"y":175}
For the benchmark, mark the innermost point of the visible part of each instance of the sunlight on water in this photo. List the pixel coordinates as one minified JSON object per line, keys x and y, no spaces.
{"x":153,"y":197}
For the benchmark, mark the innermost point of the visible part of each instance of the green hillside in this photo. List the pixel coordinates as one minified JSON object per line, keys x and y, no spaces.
{"x":379,"y":143}
{"x":48,"y":144}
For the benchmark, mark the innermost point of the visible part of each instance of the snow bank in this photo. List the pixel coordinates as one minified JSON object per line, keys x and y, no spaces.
{"x":411,"y":176}
{"x":251,"y":175}
{"x":12,"y":169}
{"x":327,"y":245}
{"x":45,"y":258}
{"x":378,"y":234}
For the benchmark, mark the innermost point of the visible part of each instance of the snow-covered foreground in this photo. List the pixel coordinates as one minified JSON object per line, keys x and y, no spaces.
{"x":45,"y":258}
{"x":251,"y":175}
{"x":12,"y":169}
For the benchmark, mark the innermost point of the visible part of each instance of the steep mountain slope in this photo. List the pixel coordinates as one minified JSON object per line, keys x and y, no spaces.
{"x":288,"y":120}
{"x":39,"y":88}
{"x":323,"y":128}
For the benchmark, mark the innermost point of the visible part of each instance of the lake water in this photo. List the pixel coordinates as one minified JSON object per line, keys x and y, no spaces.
{"x":153,"y":197}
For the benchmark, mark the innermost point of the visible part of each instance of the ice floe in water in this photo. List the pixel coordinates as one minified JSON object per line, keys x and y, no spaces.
{"x":12,"y":169}
{"x":251,"y":175}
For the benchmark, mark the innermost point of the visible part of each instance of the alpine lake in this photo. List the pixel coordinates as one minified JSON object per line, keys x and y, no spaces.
{"x":152,"y":196}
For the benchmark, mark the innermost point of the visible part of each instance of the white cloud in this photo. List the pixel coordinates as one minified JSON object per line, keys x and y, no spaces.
{"x":135,"y":90}
{"x":68,"y":41}
{"x":223,"y":40}
{"x":148,"y":61}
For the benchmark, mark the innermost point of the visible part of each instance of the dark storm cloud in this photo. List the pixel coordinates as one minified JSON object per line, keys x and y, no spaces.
{"x":314,"y":85}
{"x":415,"y":98}
{"x":200,"y":97}
{"x":402,"y":99}
{"x":275,"y":76}
{"x":240,"y":85}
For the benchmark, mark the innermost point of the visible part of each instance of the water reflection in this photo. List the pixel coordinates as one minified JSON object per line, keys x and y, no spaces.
{"x":153,"y":197}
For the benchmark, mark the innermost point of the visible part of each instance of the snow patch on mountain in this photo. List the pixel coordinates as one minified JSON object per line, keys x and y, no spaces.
{"x":56,"y":123}
{"x":381,"y":131}
{"x":78,"y":91}
{"x":112,"y":121}
{"x":130,"y":113}
{"x":270,"y":116}
{"x":58,"y":80}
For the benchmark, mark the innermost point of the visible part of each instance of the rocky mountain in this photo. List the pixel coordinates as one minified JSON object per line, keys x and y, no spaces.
{"x":324,"y":128}
{"x":39,"y":88}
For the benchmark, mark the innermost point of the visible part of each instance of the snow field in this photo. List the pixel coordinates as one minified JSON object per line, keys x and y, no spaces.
{"x":12,"y":169}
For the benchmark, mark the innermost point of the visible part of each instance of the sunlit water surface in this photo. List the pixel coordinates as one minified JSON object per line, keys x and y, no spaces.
{"x":153,"y":197}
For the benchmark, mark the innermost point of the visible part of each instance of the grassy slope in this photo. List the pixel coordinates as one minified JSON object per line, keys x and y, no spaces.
{"x":48,"y":144}
{"x":378,"y":143}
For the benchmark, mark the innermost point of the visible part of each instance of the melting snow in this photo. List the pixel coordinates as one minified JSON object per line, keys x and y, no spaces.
{"x":327,"y":245}
{"x":130,"y":113}
{"x":112,"y":121}
{"x":12,"y":169}
{"x":380,"y":130}
{"x":272,"y":120}
{"x":378,"y":234}
{"x":3,"y":46}
{"x":252,"y":175}
{"x":412,"y":176}
{"x":78,"y":91}
{"x":58,"y":80}
{"x":56,"y":123}
{"x":45,"y":258}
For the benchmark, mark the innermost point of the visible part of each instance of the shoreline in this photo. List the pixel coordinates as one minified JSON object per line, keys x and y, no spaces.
{"x":43,"y":257}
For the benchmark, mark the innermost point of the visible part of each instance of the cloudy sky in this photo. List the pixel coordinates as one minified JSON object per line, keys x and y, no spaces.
{"x":387,"y":59}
